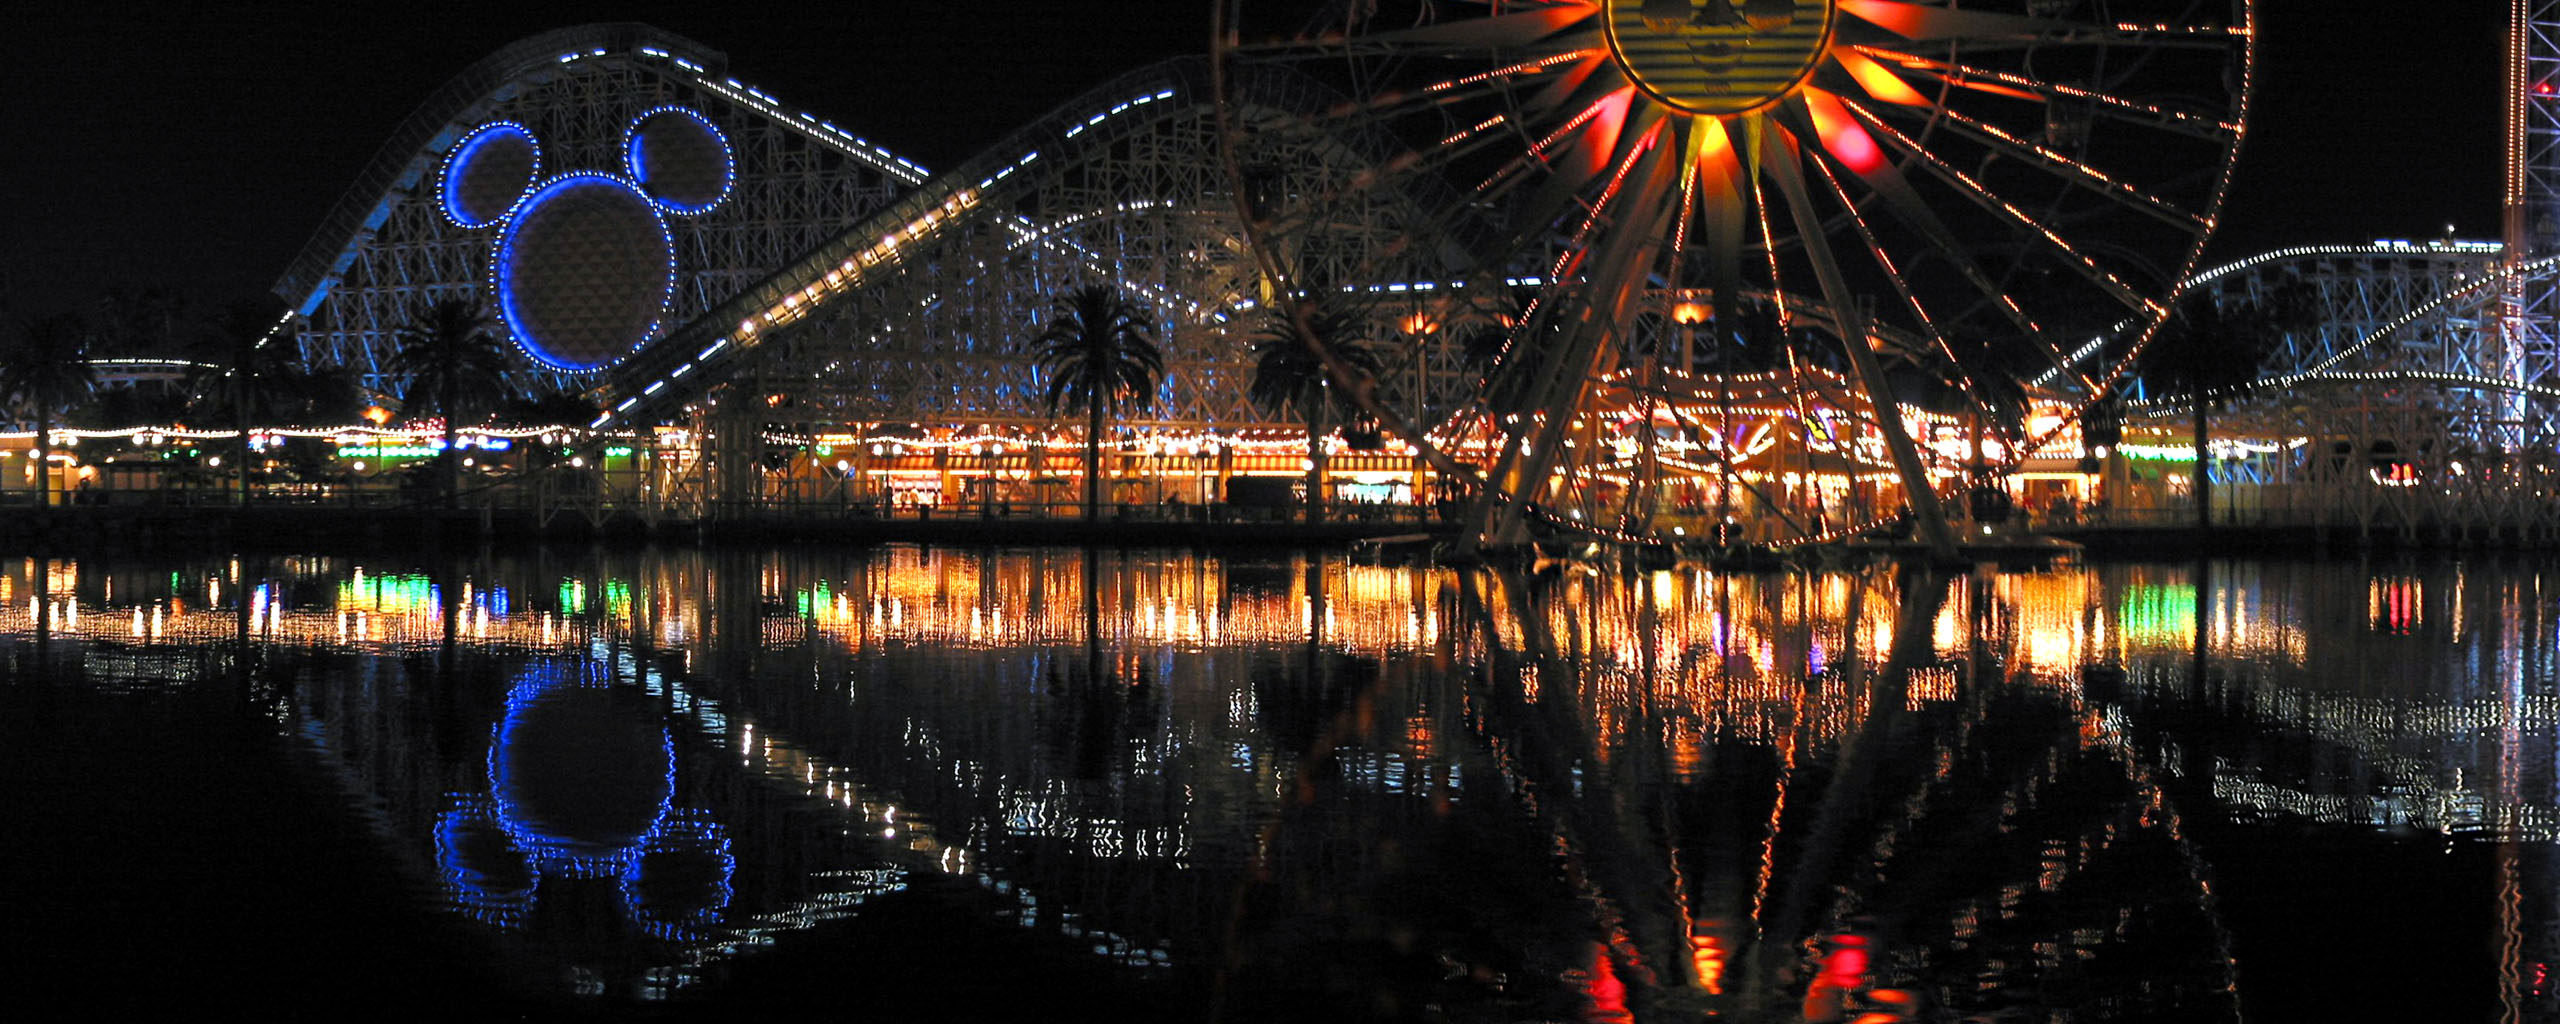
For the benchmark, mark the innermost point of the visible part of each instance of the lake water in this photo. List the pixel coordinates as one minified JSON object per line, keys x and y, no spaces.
{"x":913,"y":783}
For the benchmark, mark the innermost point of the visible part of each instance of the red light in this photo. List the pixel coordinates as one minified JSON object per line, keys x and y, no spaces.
{"x":2542,"y":88}
{"x":1845,"y":966}
{"x":1608,"y":994}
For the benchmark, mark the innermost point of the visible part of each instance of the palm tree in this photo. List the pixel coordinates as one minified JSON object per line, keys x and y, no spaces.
{"x":2212,"y":349}
{"x":1099,"y":351}
{"x":247,"y":377}
{"x":46,"y":365}
{"x":456,"y":367}
{"x":1289,"y":377}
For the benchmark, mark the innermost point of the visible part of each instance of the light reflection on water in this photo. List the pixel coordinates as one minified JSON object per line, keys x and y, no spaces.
{"x":1305,"y":783}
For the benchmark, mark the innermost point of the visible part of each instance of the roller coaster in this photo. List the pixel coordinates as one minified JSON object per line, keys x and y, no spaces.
{"x":1585,"y":285}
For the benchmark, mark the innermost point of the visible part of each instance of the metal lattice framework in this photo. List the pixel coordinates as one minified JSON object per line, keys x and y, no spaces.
{"x":389,"y":246}
{"x":920,"y":314}
{"x":2409,"y":405}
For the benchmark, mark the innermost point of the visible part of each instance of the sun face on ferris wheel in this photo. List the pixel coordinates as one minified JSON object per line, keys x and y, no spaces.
{"x":1717,"y":57}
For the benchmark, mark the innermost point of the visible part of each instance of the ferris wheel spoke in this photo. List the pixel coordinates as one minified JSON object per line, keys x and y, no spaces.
{"x":1901,"y":285}
{"x":1966,"y":185}
{"x":1913,"y":213}
{"x":2004,"y":170}
{"x":2010,"y":84}
{"x":1977,"y":29}
{"x":2089,"y":179}
{"x":1488,"y":81}
{"x":1475,"y":35}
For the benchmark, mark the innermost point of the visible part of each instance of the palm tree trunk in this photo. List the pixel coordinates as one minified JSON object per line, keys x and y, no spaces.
{"x":452,"y":456}
{"x":1093,"y":458}
{"x":2204,"y":468}
{"x":44,"y":450}
{"x":1315,"y":463}
{"x":240,"y":418}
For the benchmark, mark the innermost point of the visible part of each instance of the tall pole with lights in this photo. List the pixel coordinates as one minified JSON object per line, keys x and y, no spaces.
{"x":2528,"y":352}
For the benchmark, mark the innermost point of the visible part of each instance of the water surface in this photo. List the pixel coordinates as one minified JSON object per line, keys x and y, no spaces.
{"x":1027,"y":783}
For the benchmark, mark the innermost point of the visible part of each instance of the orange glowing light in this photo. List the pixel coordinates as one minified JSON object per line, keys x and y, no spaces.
{"x":1879,"y":81}
{"x":1706,"y":953}
{"x":1903,"y":19}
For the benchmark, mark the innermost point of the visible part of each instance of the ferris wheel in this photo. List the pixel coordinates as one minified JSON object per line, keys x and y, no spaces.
{"x":1686,"y":206}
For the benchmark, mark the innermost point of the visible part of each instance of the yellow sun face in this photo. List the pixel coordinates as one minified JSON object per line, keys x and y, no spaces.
{"x":1718,"y":58}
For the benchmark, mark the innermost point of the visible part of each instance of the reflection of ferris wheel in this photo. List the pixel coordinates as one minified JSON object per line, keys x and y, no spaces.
{"x":1679,"y":192}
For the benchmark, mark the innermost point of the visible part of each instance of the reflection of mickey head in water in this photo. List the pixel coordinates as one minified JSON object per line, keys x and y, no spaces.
{"x":583,"y":265}
{"x":581,"y":788}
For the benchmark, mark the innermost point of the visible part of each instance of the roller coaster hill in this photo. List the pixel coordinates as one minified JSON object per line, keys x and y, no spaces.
{"x":773,"y":317}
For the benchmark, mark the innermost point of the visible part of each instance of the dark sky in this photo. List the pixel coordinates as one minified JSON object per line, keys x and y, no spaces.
{"x":199,"y":147}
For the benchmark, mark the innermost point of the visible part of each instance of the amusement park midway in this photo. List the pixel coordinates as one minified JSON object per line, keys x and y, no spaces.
{"x":387,"y":176}
{"x":1266,"y":511}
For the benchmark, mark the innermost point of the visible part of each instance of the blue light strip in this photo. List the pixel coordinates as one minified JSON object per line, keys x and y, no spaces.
{"x":503,"y":263}
{"x":460,"y":158}
{"x":634,"y":160}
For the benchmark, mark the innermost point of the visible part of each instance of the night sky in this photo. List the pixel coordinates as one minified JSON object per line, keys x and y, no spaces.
{"x":198,"y":149}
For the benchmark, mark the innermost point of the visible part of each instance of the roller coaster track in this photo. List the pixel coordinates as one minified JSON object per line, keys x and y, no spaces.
{"x":995,"y":192}
{"x":383,"y":246}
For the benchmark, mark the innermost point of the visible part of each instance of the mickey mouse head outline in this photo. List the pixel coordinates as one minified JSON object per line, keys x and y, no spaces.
{"x":584,"y":265}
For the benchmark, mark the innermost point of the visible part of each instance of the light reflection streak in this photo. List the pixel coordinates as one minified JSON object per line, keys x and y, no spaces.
{"x":1688,"y":658}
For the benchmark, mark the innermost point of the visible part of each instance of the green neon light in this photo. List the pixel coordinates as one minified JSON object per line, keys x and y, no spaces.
{"x":2158,"y":453}
{"x":394,"y":594}
{"x":573,"y":597}
{"x":2158,"y":612}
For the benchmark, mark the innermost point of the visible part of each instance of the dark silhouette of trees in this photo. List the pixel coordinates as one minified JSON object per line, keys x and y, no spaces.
{"x":455,"y":367}
{"x":44,"y":367}
{"x":1099,"y":352}
{"x":2212,"y":349}
{"x":1289,"y":377}
{"x":249,"y":377}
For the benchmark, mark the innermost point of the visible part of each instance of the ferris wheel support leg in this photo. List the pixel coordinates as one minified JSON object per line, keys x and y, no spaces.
{"x":1926,"y":513}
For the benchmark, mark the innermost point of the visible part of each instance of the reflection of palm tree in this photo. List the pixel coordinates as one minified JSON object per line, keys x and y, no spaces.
{"x":46,"y":366}
{"x":1289,"y":377}
{"x":455,"y":367}
{"x":1098,"y":350}
{"x":1100,"y":708}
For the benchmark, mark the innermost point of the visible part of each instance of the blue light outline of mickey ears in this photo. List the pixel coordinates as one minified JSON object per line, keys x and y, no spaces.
{"x":505,"y":259}
{"x":462,"y":152}
{"x":631,"y":160}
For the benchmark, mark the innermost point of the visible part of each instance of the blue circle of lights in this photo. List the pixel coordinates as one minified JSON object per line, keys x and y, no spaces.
{"x":581,"y":780}
{"x":584,"y":271}
{"x":487,"y":173}
{"x":680,"y":158}
{"x":581,"y":771}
